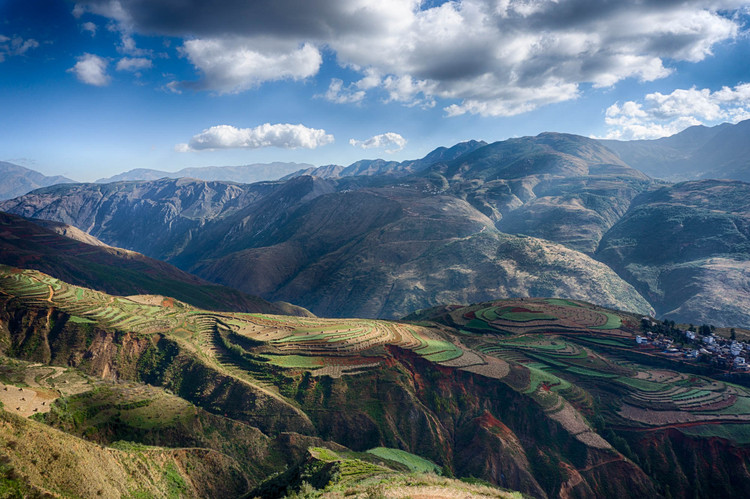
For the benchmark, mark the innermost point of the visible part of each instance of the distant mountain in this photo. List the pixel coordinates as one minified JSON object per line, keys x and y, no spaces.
{"x":84,"y":260}
{"x":378,"y":167}
{"x":377,"y":246}
{"x":244,"y":174}
{"x":325,"y":171}
{"x":697,"y":152}
{"x":455,"y":231}
{"x":155,"y":218}
{"x":563,"y":188}
{"x":18,"y":180}
{"x":380,"y":253}
{"x":686,"y":248}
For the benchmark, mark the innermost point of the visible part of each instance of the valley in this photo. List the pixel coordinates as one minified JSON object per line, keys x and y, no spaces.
{"x":554,"y":215}
{"x":465,"y":376}
{"x":503,"y":319}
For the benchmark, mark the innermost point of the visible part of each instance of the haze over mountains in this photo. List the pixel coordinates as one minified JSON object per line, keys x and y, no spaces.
{"x":698,"y":152}
{"x":521,"y":217}
{"x":18,"y":180}
{"x":244,"y":174}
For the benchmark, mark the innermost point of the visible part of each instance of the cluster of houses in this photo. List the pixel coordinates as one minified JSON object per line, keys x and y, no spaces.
{"x":723,"y":352}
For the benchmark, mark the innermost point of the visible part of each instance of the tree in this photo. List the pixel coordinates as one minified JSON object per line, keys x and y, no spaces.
{"x":733,"y":334}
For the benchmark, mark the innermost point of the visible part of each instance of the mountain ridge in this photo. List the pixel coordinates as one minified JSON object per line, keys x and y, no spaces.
{"x":19,"y":180}
{"x":698,"y":152}
{"x":243,"y":174}
{"x":571,"y":194}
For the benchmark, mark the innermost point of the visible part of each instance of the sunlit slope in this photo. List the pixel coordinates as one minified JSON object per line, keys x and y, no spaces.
{"x":469,"y":379}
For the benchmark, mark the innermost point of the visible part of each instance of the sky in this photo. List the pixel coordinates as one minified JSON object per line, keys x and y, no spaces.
{"x":92,"y":88}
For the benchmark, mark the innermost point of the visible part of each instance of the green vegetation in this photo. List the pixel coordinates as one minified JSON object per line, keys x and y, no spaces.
{"x":613,"y":321}
{"x":347,"y":381}
{"x":643,"y":385}
{"x":327,"y":474}
{"x":606,"y":341}
{"x":540,"y":376}
{"x":589,"y":372}
{"x":415,"y":463}
{"x":737,"y":433}
{"x":562,"y":303}
{"x":296,"y":361}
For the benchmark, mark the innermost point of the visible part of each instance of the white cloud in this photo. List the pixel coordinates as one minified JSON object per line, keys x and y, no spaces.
{"x":12,"y":46}
{"x":91,"y":69}
{"x":390,"y":140}
{"x":354,"y":92}
{"x":172,"y":87}
{"x":283,"y":135}
{"x":133,"y":64}
{"x":489,"y":57}
{"x":339,"y":95}
{"x":661,"y":115}
{"x":237,"y":64}
{"x":89,"y":27}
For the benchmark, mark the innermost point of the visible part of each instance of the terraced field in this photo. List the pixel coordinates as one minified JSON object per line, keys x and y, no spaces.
{"x":654,"y":398}
{"x":325,"y":346}
{"x":551,"y":350}
{"x":537,"y":314}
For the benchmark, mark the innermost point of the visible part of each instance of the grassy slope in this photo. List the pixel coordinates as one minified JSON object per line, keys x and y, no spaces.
{"x":326,"y":473}
{"x":38,"y":458}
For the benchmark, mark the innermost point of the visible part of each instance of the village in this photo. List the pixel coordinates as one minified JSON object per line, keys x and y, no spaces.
{"x":703,"y":346}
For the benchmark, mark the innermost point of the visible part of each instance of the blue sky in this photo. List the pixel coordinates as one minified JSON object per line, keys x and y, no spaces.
{"x":92,"y":88}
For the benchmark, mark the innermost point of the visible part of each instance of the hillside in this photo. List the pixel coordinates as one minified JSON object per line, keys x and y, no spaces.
{"x":18,"y":180}
{"x":382,"y":246}
{"x":698,"y":152}
{"x":686,"y":248}
{"x":72,"y":255}
{"x":154,"y":218}
{"x":529,"y":216}
{"x":392,"y":251}
{"x":608,"y":418}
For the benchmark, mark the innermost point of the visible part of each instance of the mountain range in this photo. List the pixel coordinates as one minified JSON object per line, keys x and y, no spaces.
{"x":18,"y":180}
{"x":244,"y":174}
{"x":149,"y":347}
{"x":551,"y":215}
{"x":698,"y":152}
{"x":377,"y":245}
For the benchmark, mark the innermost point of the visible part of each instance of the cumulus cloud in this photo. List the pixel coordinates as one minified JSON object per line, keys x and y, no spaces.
{"x":91,"y":69}
{"x":283,"y":135}
{"x":661,"y":115}
{"x":15,"y":45}
{"x":133,"y":64}
{"x":237,"y":64}
{"x":390,"y":140}
{"x":489,"y":57}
